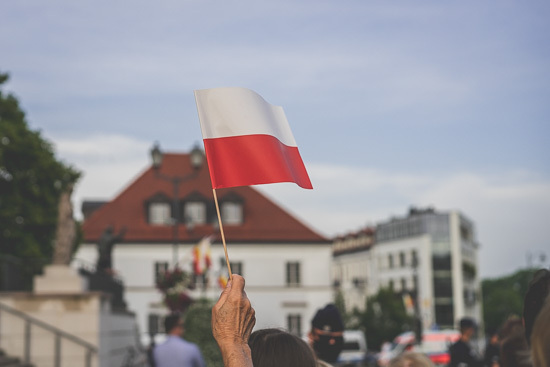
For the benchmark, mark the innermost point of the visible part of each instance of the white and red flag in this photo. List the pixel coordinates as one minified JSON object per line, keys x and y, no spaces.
{"x":247,"y":140}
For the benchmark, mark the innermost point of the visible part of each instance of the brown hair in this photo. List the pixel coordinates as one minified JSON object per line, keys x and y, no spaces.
{"x":274,"y":348}
{"x":539,"y":289}
{"x":540,"y":338}
{"x":411,"y":359}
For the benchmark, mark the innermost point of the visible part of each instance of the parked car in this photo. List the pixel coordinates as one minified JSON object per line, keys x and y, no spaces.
{"x":435,"y":345}
{"x":354,"y":352}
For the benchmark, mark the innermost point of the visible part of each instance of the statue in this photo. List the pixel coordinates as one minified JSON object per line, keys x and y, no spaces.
{"x":66,"y":229}
{"x":105,"y":246}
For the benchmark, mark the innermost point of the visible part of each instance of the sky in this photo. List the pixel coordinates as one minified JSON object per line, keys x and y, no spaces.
{"x":392,"y":104}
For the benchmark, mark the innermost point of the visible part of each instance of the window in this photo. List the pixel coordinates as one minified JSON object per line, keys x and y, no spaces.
{"x":294,"y":324}
{"x":155,"y":324}
{"x":236,"y":267}
{"x":159,"y":213}
{"x":195,"y":212}
{"x":444,"y":315}
{"x":232,"y":213}
{"x":414,"y":259}
{"x":160,"y":268}
{"x":293,"y":274}
{"x":391,"y":284}
{"x":390,"y":261}
{"x":443,"y":286}
{"x":402,"y":259}
{"x":441,"y":262}
{"x":403,"y":284}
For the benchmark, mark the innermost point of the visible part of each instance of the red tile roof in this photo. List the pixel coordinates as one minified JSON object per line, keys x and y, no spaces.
{"x":263,"y":220}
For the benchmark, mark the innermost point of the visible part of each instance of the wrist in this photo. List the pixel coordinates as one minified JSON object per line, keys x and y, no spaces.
{"x":236,"y":354}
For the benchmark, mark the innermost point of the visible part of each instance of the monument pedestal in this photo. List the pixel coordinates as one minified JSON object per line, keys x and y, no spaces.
{"x":59,"y":279}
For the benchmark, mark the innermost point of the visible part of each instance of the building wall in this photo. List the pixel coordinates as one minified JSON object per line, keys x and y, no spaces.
{"x":448,"y":270}
{"x":352,"y":274}
{"x":264,"y":269}
{"x":422,"y":245}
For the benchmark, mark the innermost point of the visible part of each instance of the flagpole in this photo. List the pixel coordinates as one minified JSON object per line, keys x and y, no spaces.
{"x":223,"y":235}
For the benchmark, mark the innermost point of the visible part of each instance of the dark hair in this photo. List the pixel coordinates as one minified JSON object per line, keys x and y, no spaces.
{"x":328,"y":319}
{"x":275,"y":348}
{"x":466,"y":323}
{"x":171,"y":321}
{"x":538,"y":290}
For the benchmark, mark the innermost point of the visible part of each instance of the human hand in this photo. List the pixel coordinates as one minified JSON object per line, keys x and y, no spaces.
{"x":233,"y":319}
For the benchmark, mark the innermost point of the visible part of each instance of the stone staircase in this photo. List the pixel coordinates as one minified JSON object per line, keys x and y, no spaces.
{"x":7,"y":361}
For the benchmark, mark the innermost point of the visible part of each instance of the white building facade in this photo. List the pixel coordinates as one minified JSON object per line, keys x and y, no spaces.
{"x":286,"y":265}
{"x":429,"y":255}
{"x":286,"y":283}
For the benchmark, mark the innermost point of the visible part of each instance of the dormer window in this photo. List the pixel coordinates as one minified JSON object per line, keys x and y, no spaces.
{"x":195,"y":212}
{"x":159,"y":213}
{"x":232,"y":213}
{"x":231,"y":208}
{"x":159,"y":210}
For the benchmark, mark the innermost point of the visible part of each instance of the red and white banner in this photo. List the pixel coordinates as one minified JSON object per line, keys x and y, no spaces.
{"x":247,"y":140}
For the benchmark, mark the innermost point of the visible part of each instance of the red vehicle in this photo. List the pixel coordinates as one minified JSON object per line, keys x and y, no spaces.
{"x":435,"y":345}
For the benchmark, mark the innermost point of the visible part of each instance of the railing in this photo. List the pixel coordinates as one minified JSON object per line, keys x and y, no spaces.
{"x":58,"y":335}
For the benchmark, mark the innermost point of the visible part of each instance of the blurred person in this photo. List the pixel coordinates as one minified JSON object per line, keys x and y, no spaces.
{"x":461,"y":352}
{"x":274,"y":348}
{"x":327,"y":335}
{"x":492,"y":349}
{"x":540,"y":338}
{"x":411,"y":359}
{"x":175,"y":351}
{"x":537,"y":292}
{"x":514,"y":351}
{"x":233,"y":319}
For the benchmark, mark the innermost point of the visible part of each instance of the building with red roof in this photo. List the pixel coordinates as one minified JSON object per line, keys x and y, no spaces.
{"x":286,"y":263}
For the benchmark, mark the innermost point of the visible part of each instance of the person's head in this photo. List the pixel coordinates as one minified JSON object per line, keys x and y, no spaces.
{"x":327,"y":333}
{"x":538,"y":290}
{"x":467,"y":327}
{"x":173,"y":324}
{"x":511,"y":327}
{"x":411,"y":359}
{"x":540,"y":338}
{"x":274,"y":347}
{"x":492,"y":336}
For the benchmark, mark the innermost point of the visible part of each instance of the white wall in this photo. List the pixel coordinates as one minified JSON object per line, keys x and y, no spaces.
{"x":422,"y":245}
{"x":264,"y":268}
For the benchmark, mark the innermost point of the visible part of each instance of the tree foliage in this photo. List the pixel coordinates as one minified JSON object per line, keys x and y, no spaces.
{"x":385,"y":317}
{"x":198,"y":319}
{"x":31,"y":181}
{"x":503,"y":297}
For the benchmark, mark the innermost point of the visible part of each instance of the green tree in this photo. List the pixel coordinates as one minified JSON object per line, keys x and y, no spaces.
{"x":198,"y":330}
{"x":385,"y":317}
{"x":503,"y":297}
{"x":31,"y":181}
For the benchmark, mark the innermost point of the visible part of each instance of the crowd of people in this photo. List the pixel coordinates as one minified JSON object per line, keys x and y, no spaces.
{"x":520,"y":342}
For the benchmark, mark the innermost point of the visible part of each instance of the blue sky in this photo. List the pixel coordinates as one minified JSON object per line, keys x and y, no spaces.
{"x":391,"y":104}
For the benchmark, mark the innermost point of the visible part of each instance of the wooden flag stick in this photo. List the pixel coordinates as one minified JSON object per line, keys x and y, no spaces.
{"x":223,"y":235}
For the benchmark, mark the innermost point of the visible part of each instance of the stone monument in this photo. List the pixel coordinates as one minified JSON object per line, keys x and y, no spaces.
{"x":59,"y":277}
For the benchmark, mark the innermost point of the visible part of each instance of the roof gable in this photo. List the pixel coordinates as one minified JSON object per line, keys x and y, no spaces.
{"x":264,"y":221}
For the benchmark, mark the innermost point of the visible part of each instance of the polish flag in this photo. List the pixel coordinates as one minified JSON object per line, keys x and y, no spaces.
{"x":247,"y":140}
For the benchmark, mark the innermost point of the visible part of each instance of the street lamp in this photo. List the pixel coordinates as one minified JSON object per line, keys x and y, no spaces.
{"x":197,"y":159}
{"x":417,"y":315}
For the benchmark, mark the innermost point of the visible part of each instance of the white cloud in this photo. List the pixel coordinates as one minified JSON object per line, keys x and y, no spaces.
{"x":108,"y":162}
{"x":509,"y":209}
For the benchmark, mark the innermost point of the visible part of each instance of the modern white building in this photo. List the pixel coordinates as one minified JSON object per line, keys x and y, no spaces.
{"x":429,"y":253}
{"x":286,"y":264}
